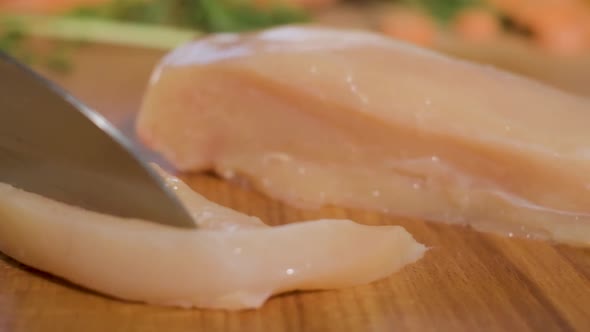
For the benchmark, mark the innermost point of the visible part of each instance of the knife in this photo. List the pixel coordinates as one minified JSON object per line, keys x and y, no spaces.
{"x":53,"y":145}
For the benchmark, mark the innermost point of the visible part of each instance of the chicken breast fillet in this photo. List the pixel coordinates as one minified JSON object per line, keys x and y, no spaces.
{"x":315,"y":116}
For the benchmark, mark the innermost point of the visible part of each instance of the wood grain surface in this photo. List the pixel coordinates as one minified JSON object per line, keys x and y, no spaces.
{"x":468,"y":281}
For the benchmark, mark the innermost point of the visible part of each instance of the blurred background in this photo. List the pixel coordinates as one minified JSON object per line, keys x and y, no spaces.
{"x":548,"y":40}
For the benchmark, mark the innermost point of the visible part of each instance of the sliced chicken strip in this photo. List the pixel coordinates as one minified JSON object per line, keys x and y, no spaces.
{"x":232,"y":261}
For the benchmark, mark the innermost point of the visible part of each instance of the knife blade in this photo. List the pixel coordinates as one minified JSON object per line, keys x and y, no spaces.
{"x":53,"y":145}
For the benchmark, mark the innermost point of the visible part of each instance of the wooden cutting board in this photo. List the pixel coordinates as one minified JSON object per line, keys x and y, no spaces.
{"x":467,"y":282}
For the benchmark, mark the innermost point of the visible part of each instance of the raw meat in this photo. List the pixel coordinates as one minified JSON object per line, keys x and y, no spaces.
{"x":316,"y":116}
{"x":232,"y":261}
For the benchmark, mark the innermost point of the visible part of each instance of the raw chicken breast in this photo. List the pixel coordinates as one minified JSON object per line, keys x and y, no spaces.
{"x":232,"y":261}
{"x":316,"y":116}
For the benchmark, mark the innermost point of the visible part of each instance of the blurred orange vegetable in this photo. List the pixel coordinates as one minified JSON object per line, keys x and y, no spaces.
{"x":562,"y":28}
{"x":564,"y":35}
{"x":476,"y":24}
{"x":559,"y":26}
{"x":45,"y":6}
{"x":409,"y":25}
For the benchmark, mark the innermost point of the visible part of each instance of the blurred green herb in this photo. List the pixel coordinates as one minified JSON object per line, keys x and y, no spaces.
{"x":12,"y":35}
{"x":444,"y":10}
{"x":204,"y":15}
{"x":225,"y":16}
{"x":58,"y":60}
{"x":147,"y":23}
{"x":13,"y":40}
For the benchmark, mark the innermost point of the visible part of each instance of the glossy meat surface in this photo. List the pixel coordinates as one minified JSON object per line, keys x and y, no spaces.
{"x":316,"y":116}
{"x":232,"y":261}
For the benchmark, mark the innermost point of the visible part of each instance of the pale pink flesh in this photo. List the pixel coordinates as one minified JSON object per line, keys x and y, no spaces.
{"x":232,"y":261}
{"x":315,"y":116}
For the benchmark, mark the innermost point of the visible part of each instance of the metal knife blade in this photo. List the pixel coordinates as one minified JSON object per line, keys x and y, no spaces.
{"x":53,"y":145}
